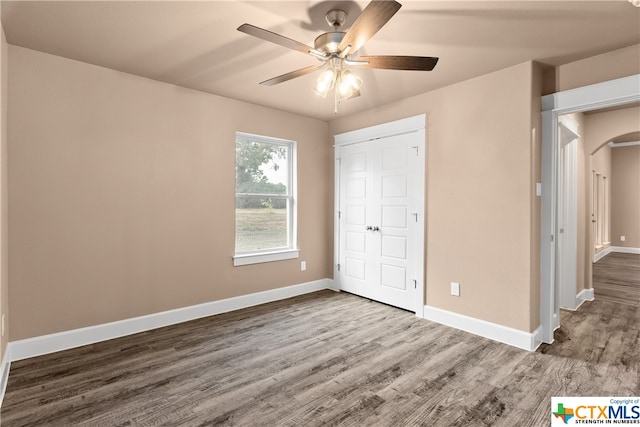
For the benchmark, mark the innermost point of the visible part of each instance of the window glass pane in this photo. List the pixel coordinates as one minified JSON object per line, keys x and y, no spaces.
{"x":261,"y":224}
{"x":261,"y":168}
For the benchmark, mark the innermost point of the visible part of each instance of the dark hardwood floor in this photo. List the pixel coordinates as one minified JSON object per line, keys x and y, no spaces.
{"x":325,"y":359}
{"x":616,"y":278}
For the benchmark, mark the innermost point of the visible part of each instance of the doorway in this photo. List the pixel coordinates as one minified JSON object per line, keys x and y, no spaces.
{"x":612,"y":93}
{"x":380,"y":213}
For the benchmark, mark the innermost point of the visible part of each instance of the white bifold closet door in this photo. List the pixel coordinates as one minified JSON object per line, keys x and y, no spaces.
{"x":378,"y":219}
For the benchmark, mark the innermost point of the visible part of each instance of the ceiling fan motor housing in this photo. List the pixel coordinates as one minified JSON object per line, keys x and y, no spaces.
{"x":329,"y":42}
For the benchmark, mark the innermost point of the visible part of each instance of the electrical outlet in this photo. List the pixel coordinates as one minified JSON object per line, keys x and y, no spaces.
{"x":303,"y":265}
{"x":455,"y":289}
{"x":622,"y":238}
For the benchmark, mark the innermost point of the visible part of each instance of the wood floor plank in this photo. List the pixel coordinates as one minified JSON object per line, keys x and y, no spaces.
{"x":325,"y":359}
{"x":616,"y":278}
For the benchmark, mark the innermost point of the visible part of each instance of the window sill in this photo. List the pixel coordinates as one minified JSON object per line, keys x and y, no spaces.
{"x":265,"y":257}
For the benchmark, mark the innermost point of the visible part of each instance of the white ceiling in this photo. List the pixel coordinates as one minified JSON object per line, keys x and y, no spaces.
{"x":196,"y":45}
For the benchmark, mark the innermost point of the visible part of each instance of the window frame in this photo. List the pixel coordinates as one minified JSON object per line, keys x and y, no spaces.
{"x":273,"y":254}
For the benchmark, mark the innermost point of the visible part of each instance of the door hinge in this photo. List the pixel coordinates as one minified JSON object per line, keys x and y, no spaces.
{"x":417,"y":148}
{"x":338,"y":267}
{"x":339,"y":214}
{"x":415,"y":284}
{"x":552,"y":237}
{"x":415,"y":214}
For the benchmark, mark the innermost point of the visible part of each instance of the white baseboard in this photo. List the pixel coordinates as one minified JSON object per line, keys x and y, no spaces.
{"x":603,"y":253}
{"x":584,"y":295}
{"x":621,"y":249}
{"x":4,"y":372}
{"x":51,"y":343}
{"x":524,"y":340}
{"x":625,"y":250}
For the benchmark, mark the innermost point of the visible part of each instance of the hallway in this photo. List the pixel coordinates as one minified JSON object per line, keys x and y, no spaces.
{"x":616,"y":278}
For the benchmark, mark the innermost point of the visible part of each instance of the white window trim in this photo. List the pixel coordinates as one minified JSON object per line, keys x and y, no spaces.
{"x":257,"y":258}
{"x":277,"y":254}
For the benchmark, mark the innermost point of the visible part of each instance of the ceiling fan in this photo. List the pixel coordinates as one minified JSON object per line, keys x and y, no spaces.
{"x":337,"y":49}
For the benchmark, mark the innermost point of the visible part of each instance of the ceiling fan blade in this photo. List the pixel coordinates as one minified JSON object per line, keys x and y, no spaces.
{"x":373,"y":17}
{"x":418,"y":63}
{"x":291,"y":75}
{"x":272,"y":37}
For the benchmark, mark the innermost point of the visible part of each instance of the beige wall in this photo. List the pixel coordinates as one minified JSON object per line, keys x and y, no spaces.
{"x":625,"y":196}
{"x":121,"y":194}
{"x":608,"y":66}
{"x":480,"y":178}
{"x":4,"y":235}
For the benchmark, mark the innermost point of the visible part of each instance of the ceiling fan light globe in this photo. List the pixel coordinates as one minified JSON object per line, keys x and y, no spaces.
{"x":325,"y":82}
{"x":321,"y":90}
{"x":349,"y":84}
{"x":351,"y":79}
{"x":344,"y":92}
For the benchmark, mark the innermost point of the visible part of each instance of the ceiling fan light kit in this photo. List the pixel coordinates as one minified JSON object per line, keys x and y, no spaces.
{"x":337,"y":48}
{"x":345,"y":82}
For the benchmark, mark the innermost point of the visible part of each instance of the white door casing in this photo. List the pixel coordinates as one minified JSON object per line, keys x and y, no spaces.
{"x":567,"y":213}
{"x":380,"y":213}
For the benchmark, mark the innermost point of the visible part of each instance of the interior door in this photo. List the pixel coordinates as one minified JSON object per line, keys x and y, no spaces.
{"x":378,"y":219}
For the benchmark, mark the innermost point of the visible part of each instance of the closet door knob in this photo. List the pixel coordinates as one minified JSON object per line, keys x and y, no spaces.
{"x":369,"y":228}
{"x":376,"y":228}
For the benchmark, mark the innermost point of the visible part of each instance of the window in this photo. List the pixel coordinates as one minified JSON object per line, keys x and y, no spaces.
{"x":265,"y":199}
